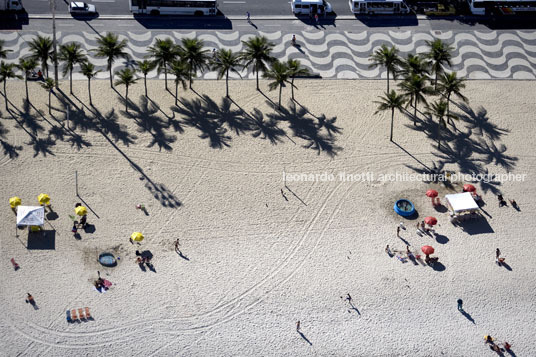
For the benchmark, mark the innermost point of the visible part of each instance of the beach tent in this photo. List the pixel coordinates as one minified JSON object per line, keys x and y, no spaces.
{"x":461,"y":202}
{"x":30,"y":216}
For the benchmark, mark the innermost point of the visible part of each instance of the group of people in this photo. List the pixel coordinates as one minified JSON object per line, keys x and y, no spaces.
{"x":502,"y":202}
{"x":495,"y":346}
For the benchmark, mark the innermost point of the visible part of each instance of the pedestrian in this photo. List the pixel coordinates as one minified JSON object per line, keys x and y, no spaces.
{"x":316,"y":18}
{"x":293,"y":44}
{"x":401,"y":225}
{"x":497,"y":253}
{"x":298,"y":326}
{"x":460,"y":304}
{"x":83,"y":221}
{"x":398,"y":231}
{"x":30,"y":299}
{"x":348,"y":297}
{"x":248,"y":16}
{"x":130,"y":240}
{"x":177,"y":244}
{"x":388,"y":250}
{"x":77,"y":205}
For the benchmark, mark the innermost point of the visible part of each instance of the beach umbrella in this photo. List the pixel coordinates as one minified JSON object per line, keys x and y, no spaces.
{"x":43,"y":199}
{"x":426,"y":249}
{"x":431,"y":221}
{"x":431,"y":193}
{"x":80,"y":210}
{"x":14,"y":201}
{"x":137,"y":236}
{"x":469,"y":188}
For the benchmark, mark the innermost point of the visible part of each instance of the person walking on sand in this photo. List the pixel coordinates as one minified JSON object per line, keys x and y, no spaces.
{"x":30,"y":299}
{"x":497,"y":253}
{"x":388,"y":251}
{"x":349,"y":298}
{"x":398,"y":232}
{"x":460,"y":304}
{"x":298,"y":326}
{"x":177,"y":244}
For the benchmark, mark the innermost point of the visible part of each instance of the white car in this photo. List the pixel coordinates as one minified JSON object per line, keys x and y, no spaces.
{"x":82,"y":8}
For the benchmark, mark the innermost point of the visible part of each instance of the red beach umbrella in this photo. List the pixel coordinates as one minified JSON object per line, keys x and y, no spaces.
{"x":469,"y":188}
{"x":431,"y":221}
{"x":431,"y":193}
{"x":426,"y":249}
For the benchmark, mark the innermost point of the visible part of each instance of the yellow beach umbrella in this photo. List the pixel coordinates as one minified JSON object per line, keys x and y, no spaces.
{"x":14,"y":201}
{"x":43,"y":199}
{"x":137,"y":236}
{"x":80,"y":210}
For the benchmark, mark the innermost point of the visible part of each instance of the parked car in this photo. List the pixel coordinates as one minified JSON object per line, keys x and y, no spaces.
{"x":82,"y":8}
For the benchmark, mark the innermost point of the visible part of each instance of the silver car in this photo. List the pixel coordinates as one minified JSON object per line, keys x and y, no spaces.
{"x":82,"y":8}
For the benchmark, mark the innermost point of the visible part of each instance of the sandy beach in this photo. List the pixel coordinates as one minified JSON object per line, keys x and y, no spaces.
{"x":260,"y":252}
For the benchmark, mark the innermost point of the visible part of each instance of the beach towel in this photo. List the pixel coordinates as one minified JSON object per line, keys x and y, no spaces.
{"x":106,"y":283}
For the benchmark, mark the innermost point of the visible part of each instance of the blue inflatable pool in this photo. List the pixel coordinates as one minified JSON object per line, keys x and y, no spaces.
{"x":107,"y":259}
{"x":404,"y":207}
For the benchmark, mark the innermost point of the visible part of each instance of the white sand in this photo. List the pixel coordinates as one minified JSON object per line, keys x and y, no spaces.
{"x":258,"y":263}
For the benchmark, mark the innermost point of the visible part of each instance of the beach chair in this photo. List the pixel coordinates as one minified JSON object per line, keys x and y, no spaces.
{"x":69,"y":316}
{"x":81,"y":314}
{"x":15,"y":265}
{"x":88,"y":315}
{"x":74,"y":316}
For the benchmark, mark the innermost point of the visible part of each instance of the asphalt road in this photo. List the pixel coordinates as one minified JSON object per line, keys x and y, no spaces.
{"x":227,"y":7}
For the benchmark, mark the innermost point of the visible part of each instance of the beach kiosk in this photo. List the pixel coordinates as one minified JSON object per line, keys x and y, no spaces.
{"x":461,"y":205}
{"x":30,"y":216}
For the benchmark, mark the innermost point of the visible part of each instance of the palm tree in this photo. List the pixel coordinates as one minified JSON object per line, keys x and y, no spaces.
{"x":163,"y":53}
{"x":3,"y":53}
{"x":257,"y":52}
{"x":388,"y":58}
{"x":279,"y":73}
{"x":88,"y":70}
{"x":27,"y":65}
{"x":439,"y":110}
{"x":194,"y":55}
{"x":413,"y":88}
{"x":145,"y":67}
{"x":41,"y":48}
{"x":49,"y":85}
{"x":449,"y":84}
{"x":126,"y":77}
{"x":7,"y":70}
{"x":181,"y":72}
{"x":111,"y":49}
{"x":414,"y":64}
{"x":224,"y":62}
{"x":71,"y":53}
{"x":439,"y":54}
{"x":391,"y":101}
{"x":295,"y":69}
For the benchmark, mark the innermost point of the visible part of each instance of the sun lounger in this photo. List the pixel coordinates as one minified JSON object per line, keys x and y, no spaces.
{"x":74,"y":316}
{"x":69,"y":316}
{"x":81,"y":314}
{"x":88,"y":315}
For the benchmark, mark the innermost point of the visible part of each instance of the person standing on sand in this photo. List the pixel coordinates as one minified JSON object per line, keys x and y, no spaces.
{"x":398,"y":232}
{"x":177,"y":244}
{"x":460,"y":304}
{"x":298,"y":326}
{"x":388,"y":251}
{"x":497,"y":253}
{"x":30,"y":299}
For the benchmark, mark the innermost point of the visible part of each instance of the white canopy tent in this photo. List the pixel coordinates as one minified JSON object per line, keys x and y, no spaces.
{"x":30,"y":216}
{"x":461,"y":202}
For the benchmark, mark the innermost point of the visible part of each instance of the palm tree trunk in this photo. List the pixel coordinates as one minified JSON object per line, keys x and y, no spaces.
{"x":176,"y":93}
{"x":191,"y":75}
{"x":448,"y":108}
{"x":71,"y":81}
{"x":145,"y":84}
{"x":292,"y":87}
{"x":387,"y":80}
{"x":257,"y":72}
{"x":45,"y":66}
{"x":435,"y":81}
{"x":392,"y":122}
{"x":227,"y":83}
{"x":126,"y":99}
{"x":165,"y":74}
{"x":438,"y":134}
{"x":415,"y":112}
{"x":111,"y":77}
{"x":89,"y":91}
{"x":280,"y":90}
{"x":26,"y":84}
{"x":5,"y":93}
{"x":49,"y":102}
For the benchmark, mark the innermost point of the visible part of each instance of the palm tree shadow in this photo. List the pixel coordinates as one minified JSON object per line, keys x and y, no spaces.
{"x":147,"y":120}
{"x":40,"y":145}
{"x":196,"y":114}
{"x":479,"y":121}
{"x":11,"y":151}
{"x":234,"y":119}
{"x":266,"y":129}
{"x":306,"y":129}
